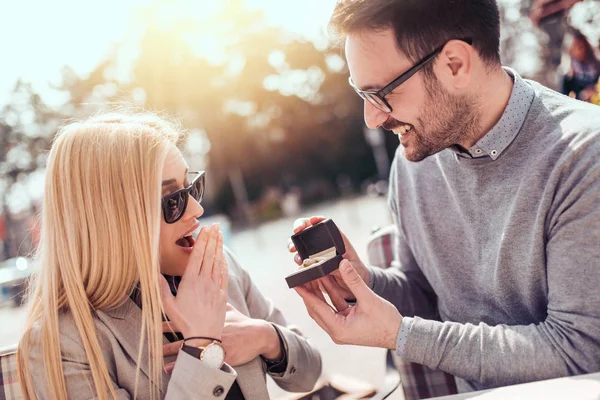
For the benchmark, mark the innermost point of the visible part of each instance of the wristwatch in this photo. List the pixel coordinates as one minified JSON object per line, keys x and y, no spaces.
{"x":213,"y":354}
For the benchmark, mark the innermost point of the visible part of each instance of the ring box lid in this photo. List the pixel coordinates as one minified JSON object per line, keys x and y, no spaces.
{"x":318,"y":238}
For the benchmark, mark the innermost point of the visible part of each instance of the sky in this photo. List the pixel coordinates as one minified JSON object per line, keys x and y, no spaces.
{"x":39,"y":37}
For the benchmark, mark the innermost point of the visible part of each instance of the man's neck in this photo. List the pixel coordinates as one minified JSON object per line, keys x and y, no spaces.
{"x":492,"y":103}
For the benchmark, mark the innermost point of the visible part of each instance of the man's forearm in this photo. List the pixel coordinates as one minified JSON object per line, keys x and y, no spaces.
{"x":501,"y":355}
{"x":410,"y":296}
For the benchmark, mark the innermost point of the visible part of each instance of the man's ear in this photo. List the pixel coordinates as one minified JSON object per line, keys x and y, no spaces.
{"x":454,"y":64}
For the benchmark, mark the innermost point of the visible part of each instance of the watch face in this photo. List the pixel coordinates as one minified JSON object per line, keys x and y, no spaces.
{"x":213,"y":355}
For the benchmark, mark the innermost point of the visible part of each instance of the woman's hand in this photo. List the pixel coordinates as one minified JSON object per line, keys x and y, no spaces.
{"x":245,"y":338}
{"x":201,"y":301}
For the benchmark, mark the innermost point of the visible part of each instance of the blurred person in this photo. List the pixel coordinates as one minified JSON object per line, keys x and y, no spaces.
{"x":117,"y":254}
{"x":494,"y":193}
{"x":584,"y":73}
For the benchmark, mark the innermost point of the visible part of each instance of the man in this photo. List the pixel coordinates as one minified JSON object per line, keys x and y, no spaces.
{"x":495,"y":191}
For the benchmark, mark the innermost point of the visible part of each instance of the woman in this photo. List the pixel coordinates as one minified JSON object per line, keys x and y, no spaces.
{"x":118,"y":215}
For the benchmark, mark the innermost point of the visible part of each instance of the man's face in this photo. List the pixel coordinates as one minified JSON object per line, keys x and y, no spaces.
{"x":425,"y":115}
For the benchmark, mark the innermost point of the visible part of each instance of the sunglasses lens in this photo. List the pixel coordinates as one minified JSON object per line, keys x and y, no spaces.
{"x":174,"y":206}
{"x":197,"y":191}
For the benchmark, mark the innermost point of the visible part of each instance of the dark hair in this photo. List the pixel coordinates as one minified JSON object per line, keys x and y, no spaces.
{"x":423,"y":25}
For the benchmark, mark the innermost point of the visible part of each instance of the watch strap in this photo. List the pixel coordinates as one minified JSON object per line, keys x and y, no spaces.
{"x":192,"y":351}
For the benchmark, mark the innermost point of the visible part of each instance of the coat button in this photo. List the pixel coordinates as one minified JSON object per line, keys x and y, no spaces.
{"x":218,"y":392}
{"x":293,"y":370}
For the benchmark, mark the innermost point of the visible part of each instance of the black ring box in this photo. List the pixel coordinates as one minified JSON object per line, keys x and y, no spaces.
{"x":314,"y":240}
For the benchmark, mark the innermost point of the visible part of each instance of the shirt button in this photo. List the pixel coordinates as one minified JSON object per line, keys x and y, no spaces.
{"x":494,"y":152}
{"x":218,"y":392}
{"x":293,"y":370}
{"x":478,"y":151}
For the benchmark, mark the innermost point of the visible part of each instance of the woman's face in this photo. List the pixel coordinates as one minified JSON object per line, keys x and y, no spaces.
{"x":174,"y":253}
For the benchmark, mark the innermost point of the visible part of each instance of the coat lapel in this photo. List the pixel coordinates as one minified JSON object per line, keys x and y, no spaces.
{"x":251,"y":379}
{"x":125,"y":322}
{"x":251,"y":376}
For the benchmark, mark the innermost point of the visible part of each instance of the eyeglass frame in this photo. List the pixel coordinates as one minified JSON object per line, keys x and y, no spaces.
{"x":393,"y":85}
{"x":187,"y":190}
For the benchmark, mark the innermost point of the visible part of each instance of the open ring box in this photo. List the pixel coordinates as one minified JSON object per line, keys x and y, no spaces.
{"x":323,"y":244}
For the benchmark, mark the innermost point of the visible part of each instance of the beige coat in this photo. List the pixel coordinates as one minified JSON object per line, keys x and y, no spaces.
{"x":119,"y":336}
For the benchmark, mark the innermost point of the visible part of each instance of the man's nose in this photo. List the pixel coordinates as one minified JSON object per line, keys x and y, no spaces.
{"x":374,"y":117}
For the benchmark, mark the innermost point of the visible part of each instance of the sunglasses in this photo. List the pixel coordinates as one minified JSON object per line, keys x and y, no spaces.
{"x":175,"y":204}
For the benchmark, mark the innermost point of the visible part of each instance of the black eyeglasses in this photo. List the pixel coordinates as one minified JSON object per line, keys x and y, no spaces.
{"x":175,"y":204}
{"x":377,"y":98}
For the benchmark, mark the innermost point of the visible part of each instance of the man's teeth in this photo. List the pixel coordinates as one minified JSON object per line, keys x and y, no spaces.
{"x":404,"y":129}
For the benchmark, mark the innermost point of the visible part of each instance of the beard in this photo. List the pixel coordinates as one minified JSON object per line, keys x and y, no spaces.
{"x":446,"y":120}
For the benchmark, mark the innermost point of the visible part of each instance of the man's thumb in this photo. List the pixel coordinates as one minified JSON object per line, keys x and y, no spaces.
{"x":353,"y":280}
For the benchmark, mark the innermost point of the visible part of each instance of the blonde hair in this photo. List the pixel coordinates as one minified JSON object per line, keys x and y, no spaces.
{"x":100,"y":233}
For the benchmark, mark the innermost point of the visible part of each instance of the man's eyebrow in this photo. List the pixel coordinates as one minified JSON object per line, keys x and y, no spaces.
{"x":169,"y":182}
{"x":371,"y":88}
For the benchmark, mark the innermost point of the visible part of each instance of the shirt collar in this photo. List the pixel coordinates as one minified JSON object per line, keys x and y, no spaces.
{"x":136,"y":294}
{"x":509,"y":125}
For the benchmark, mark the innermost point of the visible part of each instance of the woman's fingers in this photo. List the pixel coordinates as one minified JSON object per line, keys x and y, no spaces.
{"x":219,"y":260}
{"x":210,"y":252}
{"x":170,"y":349}
{"x":197,"y":255}
{"x":220,"y":271}
{"x":225,"y":277}
{"x":169,"y":367}
{"x":169,"y":326}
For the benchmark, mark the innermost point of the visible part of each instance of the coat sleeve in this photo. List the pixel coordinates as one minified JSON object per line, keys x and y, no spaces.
{"x":304,"y":361}
{"x":191,"y":378}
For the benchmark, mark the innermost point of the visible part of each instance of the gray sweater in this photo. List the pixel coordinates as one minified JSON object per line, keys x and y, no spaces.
{"x":506,"y":253}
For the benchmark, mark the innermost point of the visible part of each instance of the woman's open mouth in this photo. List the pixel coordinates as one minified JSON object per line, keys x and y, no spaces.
{"x":186,"y":242}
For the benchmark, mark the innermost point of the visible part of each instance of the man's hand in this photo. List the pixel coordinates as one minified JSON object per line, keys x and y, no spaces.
{"x":245,"y":338}
{"x":338,"y":285}
{"x":373,"y":321}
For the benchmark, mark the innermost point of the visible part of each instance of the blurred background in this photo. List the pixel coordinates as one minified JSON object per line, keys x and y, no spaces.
{"x":264,"y":98}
